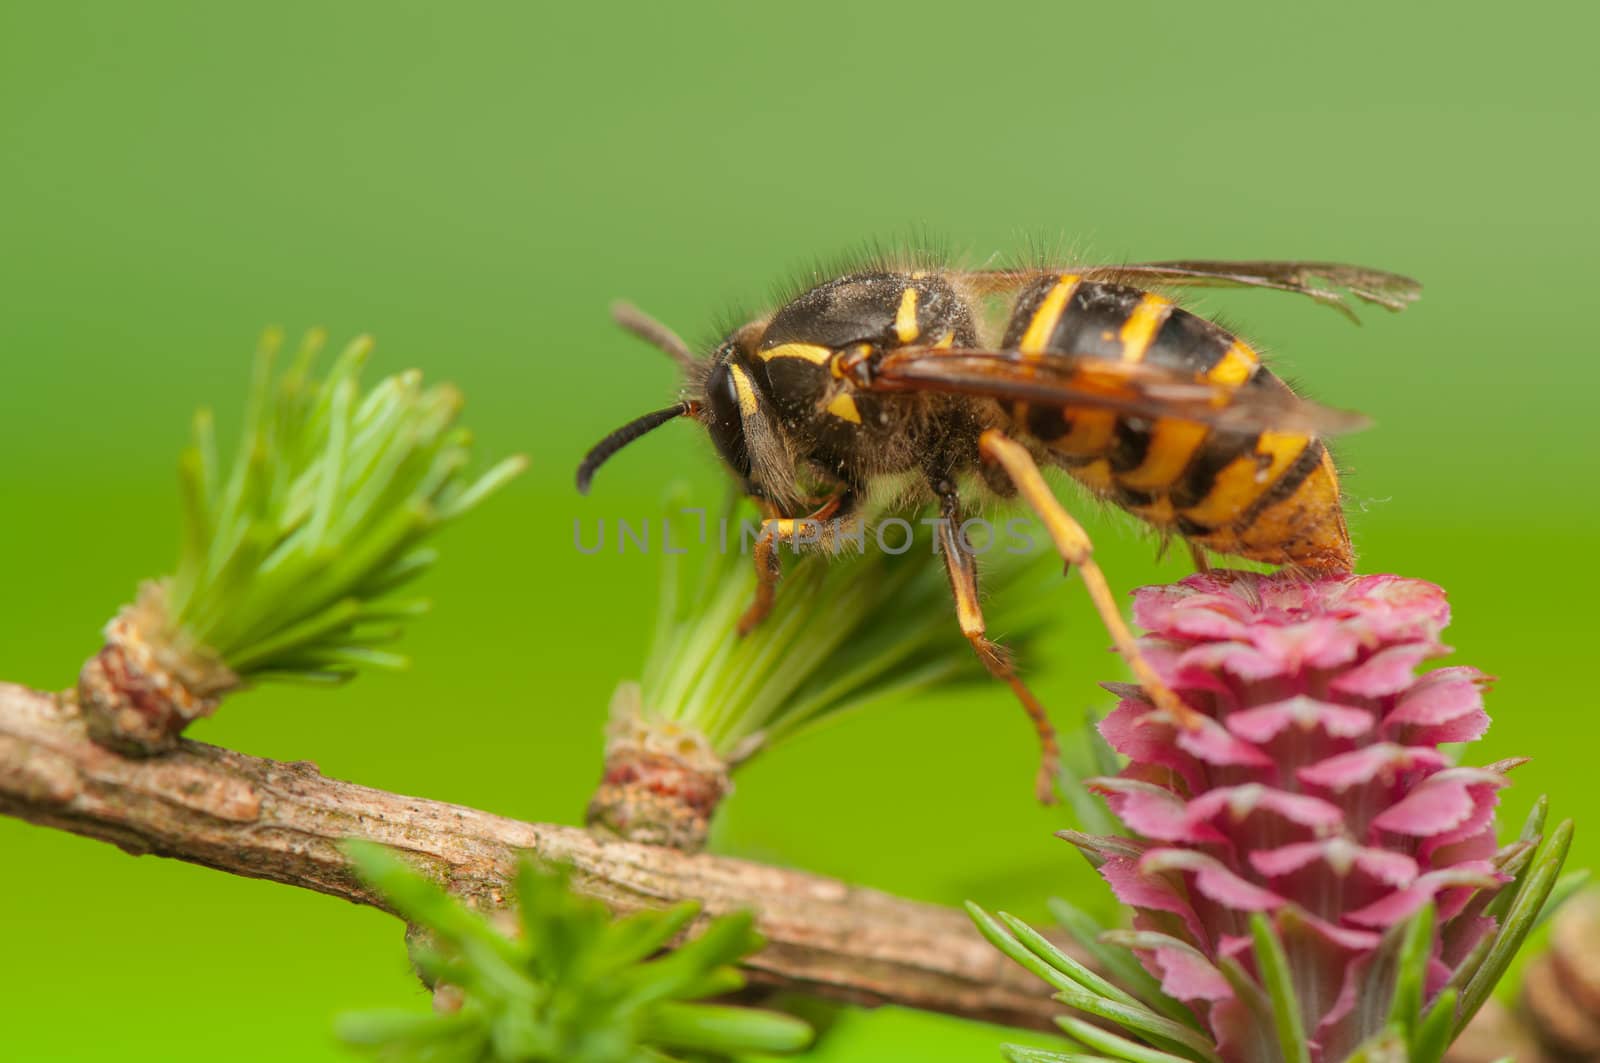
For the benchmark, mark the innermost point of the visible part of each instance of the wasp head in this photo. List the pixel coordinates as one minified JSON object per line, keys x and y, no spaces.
{"x":725,"y":393}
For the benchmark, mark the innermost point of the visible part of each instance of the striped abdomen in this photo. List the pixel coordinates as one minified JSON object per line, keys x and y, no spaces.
{"x":1268,"y":496}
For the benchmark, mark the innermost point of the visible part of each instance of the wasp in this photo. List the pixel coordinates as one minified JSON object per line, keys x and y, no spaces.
{"x":983,"y":376}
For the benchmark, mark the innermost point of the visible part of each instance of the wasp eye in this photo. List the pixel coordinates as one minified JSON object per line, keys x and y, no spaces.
{"x":727,"y":425}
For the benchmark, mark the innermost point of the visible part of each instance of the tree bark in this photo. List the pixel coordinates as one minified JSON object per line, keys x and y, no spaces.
{"x":284,"y":822}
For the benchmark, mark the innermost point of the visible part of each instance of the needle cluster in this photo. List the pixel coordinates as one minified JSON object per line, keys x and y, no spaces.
{"x":290,"y":553}
{"x":564,"y":982}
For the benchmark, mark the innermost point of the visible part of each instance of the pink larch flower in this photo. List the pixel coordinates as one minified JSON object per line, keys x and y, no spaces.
{"x":1309,"y":791}
{"x":1313,"y":790}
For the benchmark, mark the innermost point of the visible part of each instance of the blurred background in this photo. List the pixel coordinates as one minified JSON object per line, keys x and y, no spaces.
{"x":473,"y":183}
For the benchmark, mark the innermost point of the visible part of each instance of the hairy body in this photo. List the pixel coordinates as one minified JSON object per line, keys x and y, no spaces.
{"x":924,"y":376}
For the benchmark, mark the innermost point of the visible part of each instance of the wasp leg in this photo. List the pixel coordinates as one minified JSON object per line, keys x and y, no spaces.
{"x":768,"y":566}
{"x":768,"y":570}
{"x":1072,"y":542}
{"x":1201,"y":562}
{"x":962,"y":567}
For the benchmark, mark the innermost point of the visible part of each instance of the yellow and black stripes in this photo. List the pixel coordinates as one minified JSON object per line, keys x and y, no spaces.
{"x":1191,"y":343}
{"x":1225,"y":489}
{"x":1038,"y":312}
{"x":798,"y":353}
{"x":884,"y":309}
{"x":1066,"y":315}
{"x":1263,"y":494}
{"x":883,"y":373}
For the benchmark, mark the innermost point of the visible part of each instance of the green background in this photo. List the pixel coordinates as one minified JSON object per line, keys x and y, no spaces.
{"x":473,"y":183}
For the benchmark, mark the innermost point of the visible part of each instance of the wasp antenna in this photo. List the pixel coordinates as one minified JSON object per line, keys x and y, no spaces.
{"x":614,"y":442}
{"x":654,"y":333}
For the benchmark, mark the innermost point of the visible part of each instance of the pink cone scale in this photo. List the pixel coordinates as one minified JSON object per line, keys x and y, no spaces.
{"x":1313,"y":792}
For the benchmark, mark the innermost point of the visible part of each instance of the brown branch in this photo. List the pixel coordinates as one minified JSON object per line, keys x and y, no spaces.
{"x":271,"y":820}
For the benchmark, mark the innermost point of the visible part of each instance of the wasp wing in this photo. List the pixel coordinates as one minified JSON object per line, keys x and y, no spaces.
{"x":1326,"y":282}
{"x":1332,"y":284}
{"x":1130,"y":388}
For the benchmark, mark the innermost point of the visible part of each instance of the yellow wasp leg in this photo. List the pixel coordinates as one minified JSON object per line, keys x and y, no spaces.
{"x":963,"y":570}
{"x":768,"y":566}
{"x":1072,"y":542}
